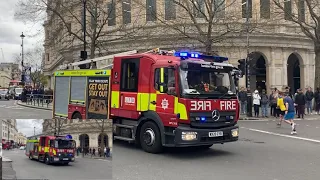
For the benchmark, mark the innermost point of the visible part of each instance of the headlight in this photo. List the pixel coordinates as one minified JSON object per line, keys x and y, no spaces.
{"x":235,"y":132}
{"x":189,"y":136}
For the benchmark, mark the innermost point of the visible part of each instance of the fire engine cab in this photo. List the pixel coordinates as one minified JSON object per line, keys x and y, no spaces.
{"x":156,"y":99}
{"x":51,"y":149}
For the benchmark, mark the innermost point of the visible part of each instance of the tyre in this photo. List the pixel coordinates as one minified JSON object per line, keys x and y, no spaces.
{"x":150,"y":138}
{"x":76,"y":115}
{"x":46,"y":160}
{"x":30,"y":157}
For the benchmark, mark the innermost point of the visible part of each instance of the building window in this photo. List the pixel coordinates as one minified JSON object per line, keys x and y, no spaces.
{"x":287,"y":10}
{"x":170,"y":10}
{"x":126,"y":11}
{"x":111,"y":13}
{"x":302,"y":11}
{"x":151,"y":9}
{"x":219,"y":8}
{"x":244,"y":9}
{"x":198,"y":8}
{"x":265,"y":9}
{"x":48,"y":57}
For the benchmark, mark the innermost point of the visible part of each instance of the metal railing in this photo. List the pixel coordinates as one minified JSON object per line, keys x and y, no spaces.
{"x":38,"y":100}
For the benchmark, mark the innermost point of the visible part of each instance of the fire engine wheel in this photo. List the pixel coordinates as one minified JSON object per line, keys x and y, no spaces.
{"x":76,"y":115}
{"x":46,"y":160}
{"x":150,"y":138}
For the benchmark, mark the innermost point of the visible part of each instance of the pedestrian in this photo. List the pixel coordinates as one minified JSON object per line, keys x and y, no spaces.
{"x":273,"y":102}
{"x":281,"y":108}
{"x":289,"y":113}
{"x":264,"y":103}
{"x":256,"y":102}
{"x":309,"y":98}
{"x":94,"y":152}
{"x":108,"y":152}
{"x":317,"y":100}
{"x":105,"y":151}
{"x":300,"y":100}
{"x":90,"y":151}
{"x":242,"y":95}
{"x":294,"y":100}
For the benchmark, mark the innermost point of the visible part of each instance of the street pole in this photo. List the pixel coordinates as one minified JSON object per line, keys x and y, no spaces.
{"x":22,"y":59}
{"x":247,"y":71}
{"x":84,"y":30}
{"x":34,"y":130}
{"x":9,"y":123}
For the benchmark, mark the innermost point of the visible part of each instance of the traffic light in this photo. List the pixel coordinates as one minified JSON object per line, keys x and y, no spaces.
{"x":242,"y":65}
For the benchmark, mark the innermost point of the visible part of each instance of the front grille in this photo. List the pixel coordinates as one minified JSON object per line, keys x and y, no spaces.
{"x":227,"y":118}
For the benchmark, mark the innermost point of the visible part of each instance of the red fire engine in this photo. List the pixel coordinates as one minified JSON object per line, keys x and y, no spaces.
{"x":156,"y":99}
{"x":51,"y":149}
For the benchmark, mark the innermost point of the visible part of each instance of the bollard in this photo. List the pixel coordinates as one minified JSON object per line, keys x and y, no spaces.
{"x":249,"y":104}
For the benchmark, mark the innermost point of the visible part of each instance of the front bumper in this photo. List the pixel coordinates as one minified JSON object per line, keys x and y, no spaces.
{"x":4,"y":97}
{"x":202,"y":136}
{"x":57,"y":159}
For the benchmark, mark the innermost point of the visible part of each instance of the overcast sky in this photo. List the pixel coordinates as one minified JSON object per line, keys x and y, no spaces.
{"x":26,"y":126}
{"x":10,"y":31}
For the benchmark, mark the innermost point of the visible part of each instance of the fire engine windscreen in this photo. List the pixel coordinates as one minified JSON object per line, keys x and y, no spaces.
{"x":207,"y":82}
{"x":64,"y":144}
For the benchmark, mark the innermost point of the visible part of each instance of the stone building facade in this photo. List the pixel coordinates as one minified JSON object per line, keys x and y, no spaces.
{"x":88,"y":133}
{"x":283,"y":55}
{"x":9,"y":130}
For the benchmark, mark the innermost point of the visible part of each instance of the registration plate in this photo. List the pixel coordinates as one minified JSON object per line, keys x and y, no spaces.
{"x":65,"y":159}
{"x":216,"y":134}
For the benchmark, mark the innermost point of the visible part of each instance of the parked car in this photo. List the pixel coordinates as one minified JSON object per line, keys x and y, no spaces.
{"x":18,"y":93}
{"x":4,"y":94}
{"x":22,"y":148}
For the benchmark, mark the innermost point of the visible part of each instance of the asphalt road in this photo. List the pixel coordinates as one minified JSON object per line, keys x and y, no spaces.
{"x":11,"y":110}
{"x":82,"y":169}
{"x":264,"y":152}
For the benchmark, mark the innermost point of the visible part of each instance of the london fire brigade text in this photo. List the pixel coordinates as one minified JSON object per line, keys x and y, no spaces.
{"x":206,"y":105}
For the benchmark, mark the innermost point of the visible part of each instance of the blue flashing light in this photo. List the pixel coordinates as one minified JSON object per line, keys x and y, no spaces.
{"x":185,"y":55}
{"x":68,"y":136}
{"x":104,"y":72}
{"x":203,"y":118}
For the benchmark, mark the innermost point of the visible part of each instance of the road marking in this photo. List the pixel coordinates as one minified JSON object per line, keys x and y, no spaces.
{"x":283,"y":135}
{"x":255,"y":120}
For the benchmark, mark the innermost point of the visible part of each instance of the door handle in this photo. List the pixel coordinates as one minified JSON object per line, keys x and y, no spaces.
{"x":153,"y":102}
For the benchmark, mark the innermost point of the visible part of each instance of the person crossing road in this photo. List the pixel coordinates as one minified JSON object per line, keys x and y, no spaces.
{"x":289,"y":113}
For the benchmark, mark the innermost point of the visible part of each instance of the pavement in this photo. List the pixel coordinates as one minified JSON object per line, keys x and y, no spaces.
{"x":12,"y":110}
{"x":40,"y":106}
{"x":82,"y":169}
{"x":264,"y":151}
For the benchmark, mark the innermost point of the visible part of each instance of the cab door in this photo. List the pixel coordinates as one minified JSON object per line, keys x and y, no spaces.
{"x":166,"y":88}
{"x":129,"y":87}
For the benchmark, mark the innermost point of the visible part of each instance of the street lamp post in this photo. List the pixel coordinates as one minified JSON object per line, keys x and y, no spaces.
{"x":247,"y":65}
{"x":22,"y":58}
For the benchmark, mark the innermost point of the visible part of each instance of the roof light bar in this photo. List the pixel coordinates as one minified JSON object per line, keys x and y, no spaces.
{"x":186,"y":55}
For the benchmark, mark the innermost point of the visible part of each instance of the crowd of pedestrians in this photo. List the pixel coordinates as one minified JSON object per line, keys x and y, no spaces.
{"x":272,"y":104}
{"x":93,"y":151}
{"x":283,"y":105}
{"x":37,"y":94}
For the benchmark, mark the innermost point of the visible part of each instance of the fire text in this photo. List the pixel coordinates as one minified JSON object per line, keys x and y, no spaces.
{"x":228,"y":105}
{"x":201,"y":105}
